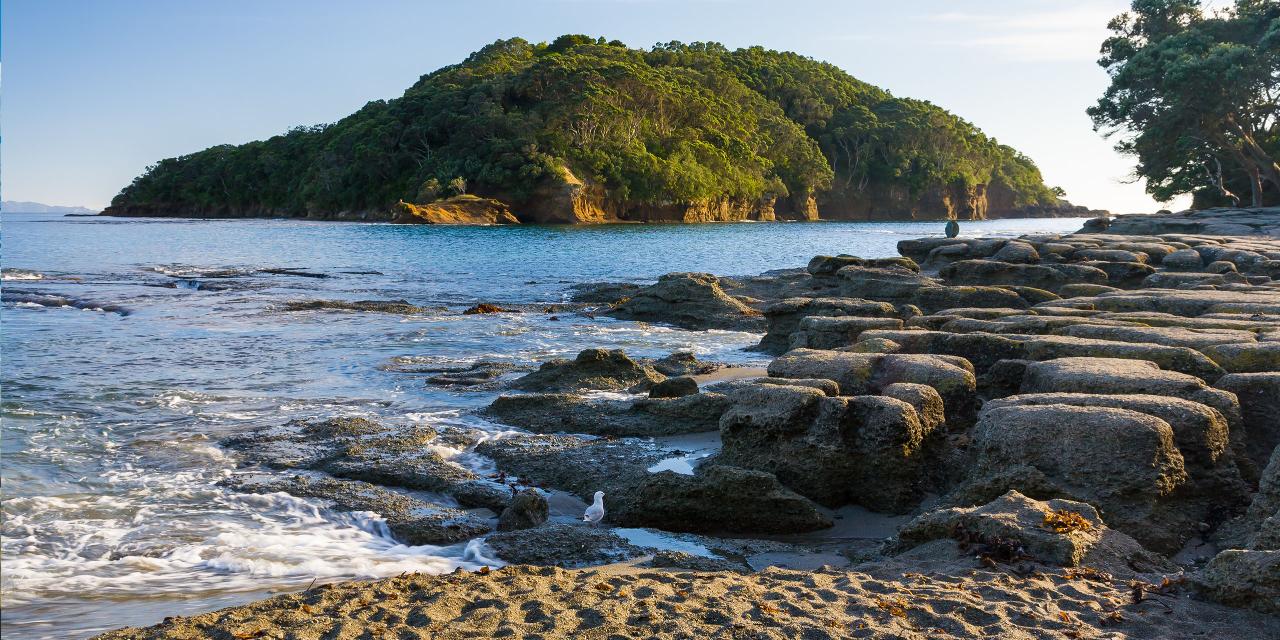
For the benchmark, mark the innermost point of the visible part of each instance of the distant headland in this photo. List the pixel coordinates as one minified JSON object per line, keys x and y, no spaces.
{"x":584,"y":130}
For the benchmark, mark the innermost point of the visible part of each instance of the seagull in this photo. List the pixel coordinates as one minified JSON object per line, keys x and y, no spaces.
{"x":595,"y":512}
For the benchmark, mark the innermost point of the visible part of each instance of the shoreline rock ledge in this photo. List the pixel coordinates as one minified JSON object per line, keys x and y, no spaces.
{"x":1053,"y":435}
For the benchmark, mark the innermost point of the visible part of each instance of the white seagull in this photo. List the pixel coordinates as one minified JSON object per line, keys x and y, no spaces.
{"x":595,"y":512}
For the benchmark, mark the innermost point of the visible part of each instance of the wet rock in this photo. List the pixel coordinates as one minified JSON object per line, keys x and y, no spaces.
{"x":410,"y":520}
{"x":689,"y":562}
{"x":1243,"y":578}
{"x":562,"y":545}
{"x":401,"y":307}
{"x":360,"y":449}
{"x":483,"y":308}
{"x":869,"y":450}
{"x":784,"y":316}
{"x":830,"y":332}
{"x":596,"y":369}
{"x":1079,"y":538}
{"x":691,"y":301}
{"x":1121,"y":461}
{"x":683,"y":363}
{"x":827,"y":266}
{"x":863,"y":373}
{"x":602,"y":292}
{"x":648,"y":417}
{"x":1259,"y":398}
{"x":674,"y":388}
{"x":527,"y":509}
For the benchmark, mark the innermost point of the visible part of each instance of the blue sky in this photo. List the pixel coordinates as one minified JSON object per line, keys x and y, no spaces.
{"x":95,"y":91}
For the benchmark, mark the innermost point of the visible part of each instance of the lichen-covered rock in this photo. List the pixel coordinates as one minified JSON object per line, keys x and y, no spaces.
{"x":691,"y":301}
{"x":1018,"y":252}
{"x":992,"y":272}
{"x":1183,"y":260}
{"x":1243,"y":356}
{"x":863,"y":373}
{"x":1243,"y":578}
{"x":933,"y":299}
{"x":891,"y":283}
{"x":1123,"y":462}
{"x":1171,"y":336}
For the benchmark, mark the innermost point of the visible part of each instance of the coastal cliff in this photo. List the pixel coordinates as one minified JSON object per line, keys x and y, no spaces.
{"x":583,"y":131}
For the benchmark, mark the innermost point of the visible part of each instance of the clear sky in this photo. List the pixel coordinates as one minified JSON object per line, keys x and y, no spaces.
{"x":95,"y":91}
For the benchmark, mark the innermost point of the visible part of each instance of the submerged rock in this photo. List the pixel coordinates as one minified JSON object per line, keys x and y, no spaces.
{"x":401,"y":307}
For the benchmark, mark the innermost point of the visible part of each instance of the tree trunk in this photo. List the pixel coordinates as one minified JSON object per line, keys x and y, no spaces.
{"x":1255,"y":184}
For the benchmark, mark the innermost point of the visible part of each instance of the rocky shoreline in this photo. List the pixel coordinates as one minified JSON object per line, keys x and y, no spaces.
{"x":1053,"y":436}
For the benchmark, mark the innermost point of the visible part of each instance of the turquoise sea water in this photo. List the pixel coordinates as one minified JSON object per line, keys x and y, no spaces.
{"x":131,"y":346}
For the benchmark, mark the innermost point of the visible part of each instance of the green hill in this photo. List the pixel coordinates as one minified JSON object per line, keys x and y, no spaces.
{"x":583,"y":130}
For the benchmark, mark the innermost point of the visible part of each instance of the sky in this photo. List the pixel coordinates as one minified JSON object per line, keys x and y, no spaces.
{"x":95,"y":91}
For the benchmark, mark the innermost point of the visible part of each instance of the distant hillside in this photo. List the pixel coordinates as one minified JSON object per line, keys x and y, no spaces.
{"x":583,"y":130}
{"x":15,"y":206}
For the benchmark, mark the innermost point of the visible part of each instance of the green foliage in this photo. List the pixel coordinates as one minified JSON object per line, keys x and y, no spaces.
{"x":678,"y":123}
{"x":1196,"y":97}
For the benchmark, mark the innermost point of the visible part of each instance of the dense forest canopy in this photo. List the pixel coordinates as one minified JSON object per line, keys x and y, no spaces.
{"x":1195,"y":98}
{"x":677,"y":123}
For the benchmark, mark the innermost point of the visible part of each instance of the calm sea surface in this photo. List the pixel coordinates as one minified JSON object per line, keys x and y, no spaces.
{"x":132,"y":346}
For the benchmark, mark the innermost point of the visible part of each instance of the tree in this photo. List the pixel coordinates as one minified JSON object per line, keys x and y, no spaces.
{"x":1195,"y":98}
{"x":429,"y":191}
{"x":458,"y":186}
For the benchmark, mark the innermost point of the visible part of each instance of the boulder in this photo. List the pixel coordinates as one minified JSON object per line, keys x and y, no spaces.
{"x":869,"y":450}
{"x":691,"y":301}
{"x":1123,"y":462}
{"x":1259,"y":398}
{"x":683,"y":363}
{"x":528,"y":509}
{"x":593,"y":369}
{"x":1183,"y":260}
{"x":1243,"y":578}
{"x":674,"y":388}
{"x":862,"y":373}
{"x":784,"y":316}
{"x":827,"y":387}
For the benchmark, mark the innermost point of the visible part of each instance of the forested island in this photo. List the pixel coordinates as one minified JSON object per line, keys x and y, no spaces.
{"x":584,"y":130}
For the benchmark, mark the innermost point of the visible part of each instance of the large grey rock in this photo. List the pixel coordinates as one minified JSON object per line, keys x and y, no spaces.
{"x":597,"y":369}
{"x":830,"y":332}
{"x":869,"y":450}
{"x":1018,"y":252}
{"x":1183,"y":260}
{"x":689,"y":300}
{"x":865,"y":373}
{"x":1123,"y":462}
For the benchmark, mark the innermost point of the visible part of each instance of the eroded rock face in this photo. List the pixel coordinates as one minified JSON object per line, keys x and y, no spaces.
{"x":869,"y":450}
{"x":1121,"y":461}
{"x":863,"y":373}
{"x":831,"y":332}
{"x":691,"y":301}
{"x":593,"y":369}
{"x":784,"y":316}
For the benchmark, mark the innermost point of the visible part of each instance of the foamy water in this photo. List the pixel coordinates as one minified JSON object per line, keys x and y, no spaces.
{"x":132,"y":347}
